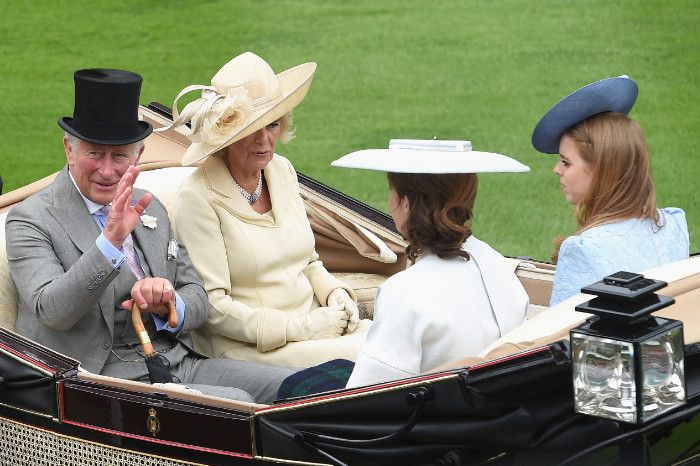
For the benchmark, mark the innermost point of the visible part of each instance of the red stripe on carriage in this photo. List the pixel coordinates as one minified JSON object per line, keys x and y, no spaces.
{"x":508,"y":358}
{"x":356,"y":391}
{"x":30,"y":360}
{"x":161,"y":442}
{"x":403,"y":382}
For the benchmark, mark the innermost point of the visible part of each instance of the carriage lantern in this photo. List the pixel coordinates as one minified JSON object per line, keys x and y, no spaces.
{"x":627,"y":364}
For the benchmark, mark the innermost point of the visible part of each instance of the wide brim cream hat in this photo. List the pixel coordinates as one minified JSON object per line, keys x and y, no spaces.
{"x":430,"y":157}
{"x":245,"y":95}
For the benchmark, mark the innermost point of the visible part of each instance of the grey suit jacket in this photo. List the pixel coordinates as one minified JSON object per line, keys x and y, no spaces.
{"x":66,"y":296}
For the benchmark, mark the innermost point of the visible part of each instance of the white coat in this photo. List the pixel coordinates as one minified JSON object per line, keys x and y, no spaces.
{"x":440,"y":310}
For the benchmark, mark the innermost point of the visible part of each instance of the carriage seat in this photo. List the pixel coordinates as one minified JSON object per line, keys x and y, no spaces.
{"x":8,"y":292}
{"x":164,"y":184}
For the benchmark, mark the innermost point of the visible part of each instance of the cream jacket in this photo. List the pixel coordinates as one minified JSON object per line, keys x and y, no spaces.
{"x":258,"y":269}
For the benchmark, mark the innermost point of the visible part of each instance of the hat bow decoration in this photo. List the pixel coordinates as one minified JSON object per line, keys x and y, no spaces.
{"x":214,"y":117}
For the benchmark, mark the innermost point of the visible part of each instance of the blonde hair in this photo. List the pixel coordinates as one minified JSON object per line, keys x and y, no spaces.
{"x":612,"y":145}
{"x":287,"y":130}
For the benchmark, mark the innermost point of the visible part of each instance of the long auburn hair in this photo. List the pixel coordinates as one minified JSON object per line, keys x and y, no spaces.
{"x":440,"y":211}
{"x":613,"y":147}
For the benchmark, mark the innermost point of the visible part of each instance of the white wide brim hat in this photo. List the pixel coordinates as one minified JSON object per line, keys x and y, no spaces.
{"x":245,"y":95}
{"x":430,"y":157}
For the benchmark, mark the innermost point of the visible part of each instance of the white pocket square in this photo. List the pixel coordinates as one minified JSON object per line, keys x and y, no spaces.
{"x":172,"y":249}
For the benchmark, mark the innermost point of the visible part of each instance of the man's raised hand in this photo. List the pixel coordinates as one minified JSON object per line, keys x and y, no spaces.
{"x":124,"y":216}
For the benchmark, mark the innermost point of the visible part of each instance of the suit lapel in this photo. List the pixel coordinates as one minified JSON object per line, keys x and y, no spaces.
{"x":151,"y":244}
{"x":70,"y":211}
{"x":280,"y":183}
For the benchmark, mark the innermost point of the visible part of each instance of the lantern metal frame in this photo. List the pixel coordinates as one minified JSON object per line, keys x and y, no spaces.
{"x":622,"y":313}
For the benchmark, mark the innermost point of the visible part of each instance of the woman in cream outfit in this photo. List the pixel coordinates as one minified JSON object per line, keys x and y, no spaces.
{"x":460,"y":295}
{"x":243,"y":221}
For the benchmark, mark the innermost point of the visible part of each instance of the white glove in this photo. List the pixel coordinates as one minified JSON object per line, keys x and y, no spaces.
{"x":322,"y":322}
{"x":341,"y":296}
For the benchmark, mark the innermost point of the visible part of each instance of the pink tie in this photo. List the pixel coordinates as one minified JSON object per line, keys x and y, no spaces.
{"x":130,"y":258}
{"x":129,"y":250}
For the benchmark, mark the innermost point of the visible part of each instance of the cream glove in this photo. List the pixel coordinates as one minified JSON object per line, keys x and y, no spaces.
{"x":322,"y":322}
{"x":341,"y":296}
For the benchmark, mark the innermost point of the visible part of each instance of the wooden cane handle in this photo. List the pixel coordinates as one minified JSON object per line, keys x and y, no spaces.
{"x":173,"y":319}
{"x":141,"y":330}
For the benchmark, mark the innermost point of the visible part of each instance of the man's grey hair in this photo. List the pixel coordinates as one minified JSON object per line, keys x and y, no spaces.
{"x":74,"y":140}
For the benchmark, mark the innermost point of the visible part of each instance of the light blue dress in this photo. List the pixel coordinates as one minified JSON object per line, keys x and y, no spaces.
{"x":632,"y":245}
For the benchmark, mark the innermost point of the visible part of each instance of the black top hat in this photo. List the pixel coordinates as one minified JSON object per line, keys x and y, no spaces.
{"x":106,"y":108}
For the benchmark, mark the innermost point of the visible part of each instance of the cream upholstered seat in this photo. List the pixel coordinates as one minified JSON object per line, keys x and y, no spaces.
{"x":164,"y":184}
{"x":8,"y":291}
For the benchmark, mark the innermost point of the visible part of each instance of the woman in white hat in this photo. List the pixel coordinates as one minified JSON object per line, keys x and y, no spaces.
{"x":605,"y":172}
{"x":460,"y":294}
{"x":243,"y":221}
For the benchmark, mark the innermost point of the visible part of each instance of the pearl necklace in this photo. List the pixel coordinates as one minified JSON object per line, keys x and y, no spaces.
{"x":255,"y":195}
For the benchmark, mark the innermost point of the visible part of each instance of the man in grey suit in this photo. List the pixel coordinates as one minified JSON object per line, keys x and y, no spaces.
{"x":81,"y":252}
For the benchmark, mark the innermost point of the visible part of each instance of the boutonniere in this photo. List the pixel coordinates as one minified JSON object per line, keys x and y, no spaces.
{"x":149,"y":221}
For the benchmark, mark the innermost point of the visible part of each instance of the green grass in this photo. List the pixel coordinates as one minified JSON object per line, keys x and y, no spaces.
{"x":479,"y":70}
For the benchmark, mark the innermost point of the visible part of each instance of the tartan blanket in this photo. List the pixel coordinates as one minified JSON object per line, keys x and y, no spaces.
{"x":331,"y":375}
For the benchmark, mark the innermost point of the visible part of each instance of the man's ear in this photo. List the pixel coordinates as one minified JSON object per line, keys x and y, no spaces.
{"x":138,"y":157}
{"x":69,"y":152}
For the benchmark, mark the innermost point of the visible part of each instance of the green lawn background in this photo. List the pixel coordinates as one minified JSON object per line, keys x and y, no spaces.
{"x":479,"y":70}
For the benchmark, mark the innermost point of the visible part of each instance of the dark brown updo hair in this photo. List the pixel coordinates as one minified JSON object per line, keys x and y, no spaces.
{"x":440,"y":211}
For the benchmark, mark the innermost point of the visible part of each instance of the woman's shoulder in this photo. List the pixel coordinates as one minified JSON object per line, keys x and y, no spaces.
{"x":415,"y":278}
{"x":586,"y":250}
{"x":605,"y":235}
{"x":674,"y":232}
{"x":195,"y":178}
{"x":405,"y":277}
{"x":596,"y":243}
{"x":475,"y":244}
{"x":675,"y":216}
{"x":673,"y":212}
{"x":280,"y":162}
{"x":194,"y":185}
{"x":484,"y":251}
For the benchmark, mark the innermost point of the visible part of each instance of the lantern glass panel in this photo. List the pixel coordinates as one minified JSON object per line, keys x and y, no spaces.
{"x":604,"y":377}
{"x":663,"y":373}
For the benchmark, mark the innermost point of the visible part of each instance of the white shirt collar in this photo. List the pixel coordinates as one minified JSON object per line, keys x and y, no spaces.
{"x":92,"y":207}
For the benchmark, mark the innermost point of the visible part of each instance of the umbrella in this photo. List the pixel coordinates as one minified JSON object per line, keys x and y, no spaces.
{"x":157,"y":369}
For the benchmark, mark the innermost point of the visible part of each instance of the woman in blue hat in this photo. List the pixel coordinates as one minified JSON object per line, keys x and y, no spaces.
{"x":605,"y":172}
